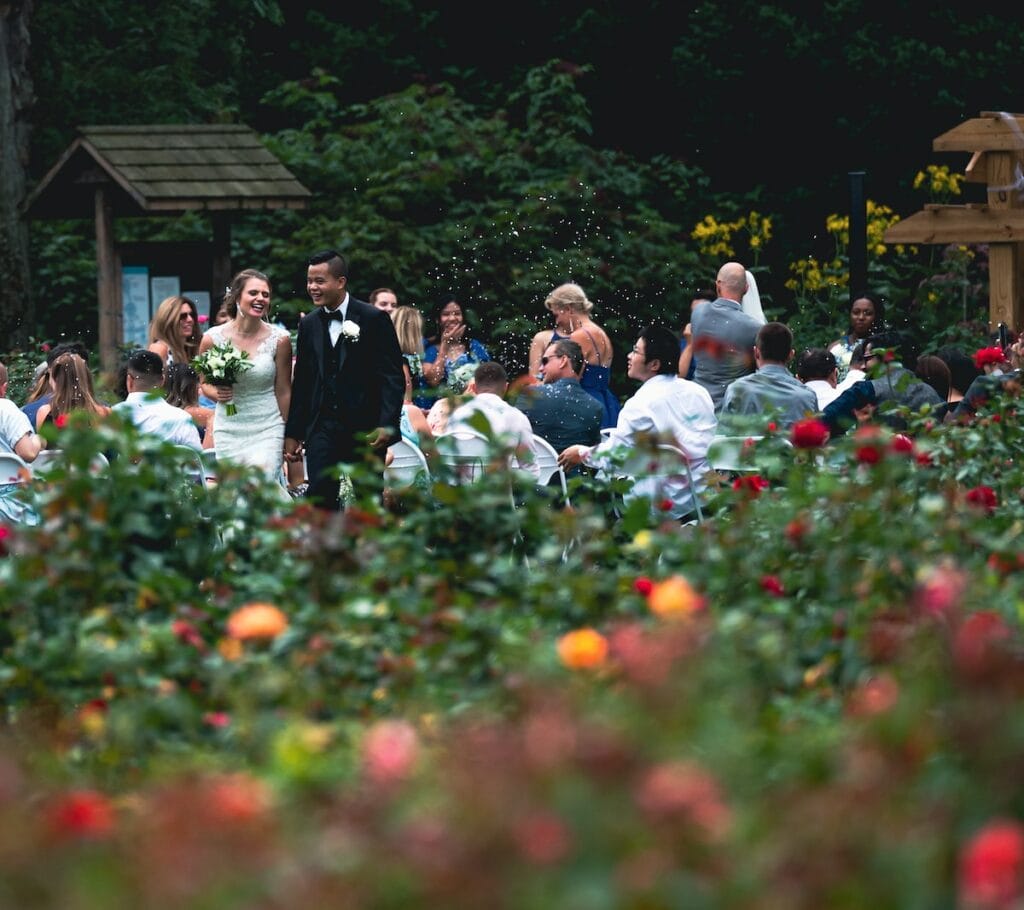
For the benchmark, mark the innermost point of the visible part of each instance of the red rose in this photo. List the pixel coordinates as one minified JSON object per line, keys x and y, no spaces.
{"x":809,"y":434}
{"x":665,"y":505}
{"x":983,"y":498}
{"x":772,"y":426}
{"x":773,"y":585}
{"x":795,"y":531}
{"x":186,"y":633}
{"x":752,"y":484}
{"x":643,"y":586}
{"x":904,"y":445}
{"x":869,"y":455}
{"x":82,"y":813}
{"x":977,"y":641}
{"x":991,"y":865}
{"x":60,"y":421}
{"x":985,"y":356}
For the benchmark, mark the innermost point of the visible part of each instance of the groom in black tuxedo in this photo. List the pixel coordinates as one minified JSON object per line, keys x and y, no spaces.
{"x":348,"y":384}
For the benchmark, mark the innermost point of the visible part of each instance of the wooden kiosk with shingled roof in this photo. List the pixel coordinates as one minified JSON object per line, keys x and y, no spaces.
{"x":996,"y":142}
{"x":113,"y":172}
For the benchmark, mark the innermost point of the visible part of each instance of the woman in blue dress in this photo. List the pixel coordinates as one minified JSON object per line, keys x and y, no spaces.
{"x":571,"y":309}
{"x":448,"y":352}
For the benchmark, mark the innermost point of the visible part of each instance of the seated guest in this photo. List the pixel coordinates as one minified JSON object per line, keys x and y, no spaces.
{"x":559,"y":410}
{"x":891,"y":384}
{"x":817,"y":369}
{"x":507,"y":424}
{"x":449,"y":352}
{"x":673,"y":409}
{"x":933,"y":370}
{"x":145,"y":406}
{"x":772,"y":392}
{"x":181,"y":390}
{"x":71,"y":390}
{"x":962,"y":371}
{"x":986,"y":385}
{"x":40,"y":393}
{"x":175,"y":333}
{"x":855,"y":370}
{"x":17,"y":437}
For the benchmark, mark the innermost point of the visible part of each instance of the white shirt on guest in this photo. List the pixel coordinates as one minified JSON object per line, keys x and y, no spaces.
{"x":677,"y":410}
{"x":508,"y":424}
{"x":826,"y":392}
{"x":334,"y":326}
{"x":154,"y":416}
{"x":14,"y":425}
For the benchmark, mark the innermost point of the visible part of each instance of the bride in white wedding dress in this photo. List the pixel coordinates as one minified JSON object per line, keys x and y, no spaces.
{"x":254,"y":435}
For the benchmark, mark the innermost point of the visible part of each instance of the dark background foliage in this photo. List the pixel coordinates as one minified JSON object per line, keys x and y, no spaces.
{"x":431,"y":134}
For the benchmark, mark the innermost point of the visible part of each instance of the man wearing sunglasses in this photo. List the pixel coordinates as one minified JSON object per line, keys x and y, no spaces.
{"x":560,"y":411}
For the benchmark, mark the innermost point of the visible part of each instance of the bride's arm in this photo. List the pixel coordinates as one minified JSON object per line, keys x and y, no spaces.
{"x":283,"y":375}
{"x":208,"y":389}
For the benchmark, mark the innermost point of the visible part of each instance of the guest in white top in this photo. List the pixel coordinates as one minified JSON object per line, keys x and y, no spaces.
{"x":507,"y":424}
{"x":817,"y":369}
{"x":17,"y":437}
{"x":145,"y":406}
{"x":672,"y":409}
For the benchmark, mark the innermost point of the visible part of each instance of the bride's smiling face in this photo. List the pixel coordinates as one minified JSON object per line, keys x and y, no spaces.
{"x":255,"y":299}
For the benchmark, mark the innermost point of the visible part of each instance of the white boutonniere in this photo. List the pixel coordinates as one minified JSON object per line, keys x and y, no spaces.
{"x":350,"y":330}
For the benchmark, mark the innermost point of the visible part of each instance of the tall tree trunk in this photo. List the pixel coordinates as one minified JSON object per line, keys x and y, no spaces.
{"x":17,"y":315}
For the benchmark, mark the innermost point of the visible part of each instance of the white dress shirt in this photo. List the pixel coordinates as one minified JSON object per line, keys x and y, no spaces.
{"x":334,"y":326}
{"x":152,"y":415}
{"x":508,"y":424}
{"x":826,"y":392}
{"x":677,"y":410}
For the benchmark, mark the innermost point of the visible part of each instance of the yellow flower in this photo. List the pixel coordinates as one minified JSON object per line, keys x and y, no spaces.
{"x":642,"y":540}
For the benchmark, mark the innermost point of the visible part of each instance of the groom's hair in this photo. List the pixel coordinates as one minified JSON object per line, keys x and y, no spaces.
{"x":336,"y":263}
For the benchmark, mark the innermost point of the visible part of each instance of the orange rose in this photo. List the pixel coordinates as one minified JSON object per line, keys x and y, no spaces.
{"x":674,"y":598}
{"x":257,"y":620}
{"x":583,"y":649}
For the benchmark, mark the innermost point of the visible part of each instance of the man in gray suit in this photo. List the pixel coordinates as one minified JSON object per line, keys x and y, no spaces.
{"x":723,"y":335}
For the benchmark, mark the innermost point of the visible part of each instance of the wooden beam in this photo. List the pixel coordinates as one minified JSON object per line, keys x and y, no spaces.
{"x":977,"y":169}
{"x":958,"y":224}
{"x":108,"y":284}
{"x":992,"y":132}
{"x":1004,"y":172}
{"x":1005,"y":271}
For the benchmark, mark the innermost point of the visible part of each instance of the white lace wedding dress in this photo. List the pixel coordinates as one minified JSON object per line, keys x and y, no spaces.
{"x":255,"y":434}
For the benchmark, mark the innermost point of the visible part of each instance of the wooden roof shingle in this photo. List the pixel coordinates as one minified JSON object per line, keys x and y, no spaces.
{"x":165,"y":169}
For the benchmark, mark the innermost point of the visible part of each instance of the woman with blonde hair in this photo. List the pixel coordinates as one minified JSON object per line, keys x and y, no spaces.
{"x":571,"y":309}
{"x":409,"y":329}
{"x":174,"y":333}
{"x":72,"y":387}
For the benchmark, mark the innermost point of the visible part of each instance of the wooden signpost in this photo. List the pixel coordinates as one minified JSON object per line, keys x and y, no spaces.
{"x":996,"y":142}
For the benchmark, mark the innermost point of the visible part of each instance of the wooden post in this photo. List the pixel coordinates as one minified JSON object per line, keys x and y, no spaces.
{"x":1005,"y":260}
{"x":858,"y":249}
{"x":108,"y":283}
{"x":221,"y":256}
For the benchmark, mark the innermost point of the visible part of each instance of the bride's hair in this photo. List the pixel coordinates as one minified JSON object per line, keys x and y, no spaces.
{"x":234,"y":290}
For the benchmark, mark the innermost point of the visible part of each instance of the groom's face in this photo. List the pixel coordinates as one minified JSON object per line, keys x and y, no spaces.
{"x":323,"y":288}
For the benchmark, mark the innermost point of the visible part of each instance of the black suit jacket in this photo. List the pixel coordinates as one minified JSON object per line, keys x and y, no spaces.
{"x":370,"y":380}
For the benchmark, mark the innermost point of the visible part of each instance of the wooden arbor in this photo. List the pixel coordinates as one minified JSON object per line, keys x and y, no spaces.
{"x":125,"y":171}
{"x":996,"y":142}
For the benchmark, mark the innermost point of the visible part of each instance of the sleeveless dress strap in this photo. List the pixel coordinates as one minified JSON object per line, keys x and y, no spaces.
{"x":597,"y":347}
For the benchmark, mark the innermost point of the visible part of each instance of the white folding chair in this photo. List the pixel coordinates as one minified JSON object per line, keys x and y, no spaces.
{"x":407,"y":463}
{"x":193,"y":463}
{"x":48,"y":459}
{"x":726,"y":453}
{"x":546,"y":459}
{"x":464,"y":453}
{"x":655,"y":469}
{"x":13,"y":469}
{"x":209,"y":460}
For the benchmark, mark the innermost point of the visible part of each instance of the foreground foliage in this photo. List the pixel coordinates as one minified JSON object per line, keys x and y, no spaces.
{"x":808,"y":700}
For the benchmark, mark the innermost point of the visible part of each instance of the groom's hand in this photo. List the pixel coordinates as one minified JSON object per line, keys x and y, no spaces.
{"x":379,"y":438}
{"x":292,"y":450}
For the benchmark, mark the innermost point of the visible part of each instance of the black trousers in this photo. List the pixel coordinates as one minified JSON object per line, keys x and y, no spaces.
{"x":329,"y":444}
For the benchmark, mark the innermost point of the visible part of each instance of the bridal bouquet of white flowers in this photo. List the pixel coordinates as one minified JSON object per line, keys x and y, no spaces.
{"x":222,"y":365}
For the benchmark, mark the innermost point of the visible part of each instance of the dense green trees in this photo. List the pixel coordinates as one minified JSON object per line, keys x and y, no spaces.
{"x":664,"y":114}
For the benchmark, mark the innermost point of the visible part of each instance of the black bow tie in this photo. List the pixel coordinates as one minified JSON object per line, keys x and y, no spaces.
{"x":330,"y":317}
